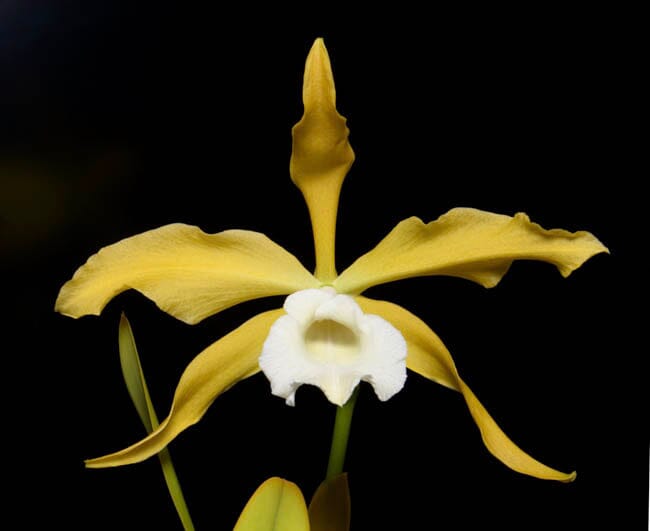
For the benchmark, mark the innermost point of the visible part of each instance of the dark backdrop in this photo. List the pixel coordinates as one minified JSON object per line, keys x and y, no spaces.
{"x":116,"y":119}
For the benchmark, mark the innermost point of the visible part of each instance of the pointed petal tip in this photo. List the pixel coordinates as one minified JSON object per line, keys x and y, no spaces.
{"x":112,"y":460}
{"x":318,"y":84}
{"x":319,"y":42}
{"x":68,"y":310}
{"x":61,"y":307}
{"x":570,"y":477}
{"x":92,"y":463}
{"x":318,"y":50}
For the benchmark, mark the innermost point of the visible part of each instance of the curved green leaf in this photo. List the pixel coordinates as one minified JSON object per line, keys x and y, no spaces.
{"x":133,"y":376}
{"x":137,"y":387}
{"x":276,"y":505}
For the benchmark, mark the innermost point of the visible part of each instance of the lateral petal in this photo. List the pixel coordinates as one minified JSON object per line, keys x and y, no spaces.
{"x":467,"y":243}
{"x":231,"y":359}
{"x":189,"y":274}
{"x":428,"y":356}
{"x":321,"y":156}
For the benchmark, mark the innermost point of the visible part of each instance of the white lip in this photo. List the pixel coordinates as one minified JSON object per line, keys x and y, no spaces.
{"x":327,"y":341}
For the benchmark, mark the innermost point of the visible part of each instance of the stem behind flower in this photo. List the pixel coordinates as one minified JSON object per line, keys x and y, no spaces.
{"x":340,"y":436}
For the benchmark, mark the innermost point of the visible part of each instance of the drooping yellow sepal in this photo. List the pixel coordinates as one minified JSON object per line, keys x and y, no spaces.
{"x":321,"y":156}
{"x":215,"y":370}
{"x":428,"y":356}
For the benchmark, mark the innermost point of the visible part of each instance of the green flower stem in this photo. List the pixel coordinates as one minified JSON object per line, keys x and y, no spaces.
{"x":137,"y":387}
{"x":340,"y":436}
{"x":169,"y":472}
{"x":171,"y":479}
{"x":175,"y":490}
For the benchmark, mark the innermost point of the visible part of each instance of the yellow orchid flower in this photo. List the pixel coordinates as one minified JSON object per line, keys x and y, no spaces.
{"x":327,"y":334}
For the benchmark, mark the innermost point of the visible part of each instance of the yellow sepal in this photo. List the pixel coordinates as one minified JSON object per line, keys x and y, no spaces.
{"x":321,"y":156}
{"x":428,"y":356}
{"x":216,"y":369}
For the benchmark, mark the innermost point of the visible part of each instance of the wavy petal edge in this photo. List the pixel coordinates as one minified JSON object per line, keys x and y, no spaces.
{"x":468,"y":243}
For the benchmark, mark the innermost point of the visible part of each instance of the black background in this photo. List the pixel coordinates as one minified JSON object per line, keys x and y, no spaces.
{"x":116,"y":119}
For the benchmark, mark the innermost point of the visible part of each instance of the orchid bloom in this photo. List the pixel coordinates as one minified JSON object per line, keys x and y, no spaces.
{"x":328,"y":334}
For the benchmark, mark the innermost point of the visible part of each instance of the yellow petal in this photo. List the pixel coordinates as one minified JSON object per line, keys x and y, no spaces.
{"x":321,"y":156}
{"x":277,"y":505}
{"x":466,"y":243}
{"x":133,"y":375}
{"x":216,"y":369}
{"x":428,"y":356}
{"x":186,"y":272}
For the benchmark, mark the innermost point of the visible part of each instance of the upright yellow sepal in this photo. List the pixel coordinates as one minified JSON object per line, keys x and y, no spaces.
{"x":321,"y":156}
{"x":277,"y":505}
